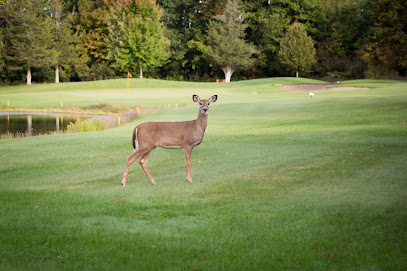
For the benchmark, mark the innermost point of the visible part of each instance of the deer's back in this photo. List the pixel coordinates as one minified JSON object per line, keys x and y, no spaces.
{"x":167,"y":134}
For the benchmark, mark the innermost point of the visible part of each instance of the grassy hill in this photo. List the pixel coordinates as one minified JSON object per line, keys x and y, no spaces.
{"x":281,"y":181}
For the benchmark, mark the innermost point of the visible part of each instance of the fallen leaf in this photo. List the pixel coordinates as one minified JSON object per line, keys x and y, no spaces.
{"x":331,"y":255}
{"x":85,"y":183}
{"x":204,"y":257}
{"x":153,"y":246}
{"x":315,"y":248}
{"x":36,"y":207}
{"x":196,"y":244}
{"x":218,"y":250}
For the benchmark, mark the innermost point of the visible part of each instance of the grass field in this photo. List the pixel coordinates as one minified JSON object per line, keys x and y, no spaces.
{"x":281,"y":181}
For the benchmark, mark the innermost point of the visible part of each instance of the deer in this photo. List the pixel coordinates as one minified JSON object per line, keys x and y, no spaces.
{"x":170,"y":135}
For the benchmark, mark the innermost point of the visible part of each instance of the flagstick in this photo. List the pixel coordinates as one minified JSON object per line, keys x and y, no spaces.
{"x":128,"y":82}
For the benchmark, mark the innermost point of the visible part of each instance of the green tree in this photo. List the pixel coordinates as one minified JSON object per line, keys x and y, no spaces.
{"x":2,"y":61}
{"x":187,"y":22}
{"x":227,"y":47}
{"x":28,"y":34}
{"x":269,"y":20}
{"x":137,"y":36}
{"x":90,"y":24}
{"x":65,"y":43}
{"x":297,"y":50}
{"x":385,"y":47}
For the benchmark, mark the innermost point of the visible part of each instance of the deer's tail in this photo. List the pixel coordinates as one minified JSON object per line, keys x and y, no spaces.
{"x":135,"y":139}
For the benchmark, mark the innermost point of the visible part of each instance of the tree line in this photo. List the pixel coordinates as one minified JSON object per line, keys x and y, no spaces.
{"x":201,"y":40}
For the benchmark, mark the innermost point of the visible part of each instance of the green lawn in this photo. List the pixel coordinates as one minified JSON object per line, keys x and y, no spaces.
{"x":281,"y":181}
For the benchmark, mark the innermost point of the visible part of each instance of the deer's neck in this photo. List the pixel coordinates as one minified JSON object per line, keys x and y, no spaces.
{"x":202,"y":121}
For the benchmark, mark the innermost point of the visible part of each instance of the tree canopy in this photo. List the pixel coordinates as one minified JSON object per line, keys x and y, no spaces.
{"x":297,"y":50}
{"x":227,"y":47}
{"x":28,"y":37}
{"x":137,"y":36}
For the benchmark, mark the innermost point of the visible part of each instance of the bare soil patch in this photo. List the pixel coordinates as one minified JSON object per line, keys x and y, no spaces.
{"x":311,"y":88}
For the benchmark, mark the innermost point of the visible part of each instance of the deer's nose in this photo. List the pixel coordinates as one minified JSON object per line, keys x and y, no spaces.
{"x":205,"y":109}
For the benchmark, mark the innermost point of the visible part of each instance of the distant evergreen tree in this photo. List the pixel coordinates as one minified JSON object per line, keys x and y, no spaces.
{"x":297,"y":50}
{"x":65,"y":51}
{"x":28,"y":34}
{"x":137,"y":36}
{"x":226,"y":45}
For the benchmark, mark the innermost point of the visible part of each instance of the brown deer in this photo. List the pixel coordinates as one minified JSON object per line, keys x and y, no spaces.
{"x":170,"y":135}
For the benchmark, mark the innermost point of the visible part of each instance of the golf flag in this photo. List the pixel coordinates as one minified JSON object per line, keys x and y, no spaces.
{"x":129,"y":74}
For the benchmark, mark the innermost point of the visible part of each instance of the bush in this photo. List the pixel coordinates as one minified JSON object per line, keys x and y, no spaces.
{"x":87,"y":125}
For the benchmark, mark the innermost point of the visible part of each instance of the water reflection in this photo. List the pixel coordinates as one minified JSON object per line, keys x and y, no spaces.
{"x":36,"y":123}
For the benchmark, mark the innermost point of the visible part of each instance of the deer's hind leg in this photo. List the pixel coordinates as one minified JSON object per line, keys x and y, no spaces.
{"x":130,"y":160}
{"x":143,"y":164}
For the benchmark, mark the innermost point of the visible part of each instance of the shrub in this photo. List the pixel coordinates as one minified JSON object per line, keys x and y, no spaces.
{"x":87,"y":125}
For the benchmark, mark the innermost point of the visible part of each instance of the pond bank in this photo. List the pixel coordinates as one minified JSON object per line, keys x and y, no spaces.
{"x":35,"y":122}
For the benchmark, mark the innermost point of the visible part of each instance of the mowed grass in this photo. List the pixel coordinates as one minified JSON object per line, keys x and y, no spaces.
{"x":129,"y":93}
{"x":281,"y":181}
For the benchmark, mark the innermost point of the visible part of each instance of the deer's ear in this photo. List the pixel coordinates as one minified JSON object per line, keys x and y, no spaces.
{"x":195,"y":98}
{"x":213,"y":98}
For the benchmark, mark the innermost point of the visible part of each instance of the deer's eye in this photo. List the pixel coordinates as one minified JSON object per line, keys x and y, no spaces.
{"x":201,"y":103}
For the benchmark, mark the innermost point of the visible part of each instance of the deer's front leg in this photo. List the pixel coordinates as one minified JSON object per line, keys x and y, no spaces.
{"x":188,"y":151}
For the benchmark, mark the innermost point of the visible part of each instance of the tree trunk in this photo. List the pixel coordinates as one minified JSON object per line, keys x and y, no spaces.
{"x":296,"y":73}
{"x":29,"y":76}
{"x":141,"y":72}
{"x":56,"y":73}
{"x":228,"y":73}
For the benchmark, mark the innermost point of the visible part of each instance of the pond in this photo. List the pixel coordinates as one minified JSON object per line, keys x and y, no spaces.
{"x":37,"y":123}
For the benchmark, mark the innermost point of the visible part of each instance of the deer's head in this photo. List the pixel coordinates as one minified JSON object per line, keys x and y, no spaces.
{"x":204,"y":104}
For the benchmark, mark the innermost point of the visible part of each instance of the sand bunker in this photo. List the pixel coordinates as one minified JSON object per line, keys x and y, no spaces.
{"x":311,"y":88}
